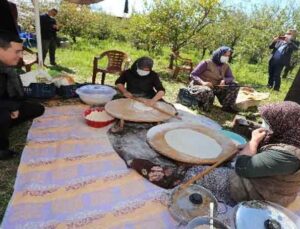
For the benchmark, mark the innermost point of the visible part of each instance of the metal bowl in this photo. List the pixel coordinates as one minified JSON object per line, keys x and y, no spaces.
{"x":183,"y":207}
{"x":207,"y":221}
{"x":263,"y":215}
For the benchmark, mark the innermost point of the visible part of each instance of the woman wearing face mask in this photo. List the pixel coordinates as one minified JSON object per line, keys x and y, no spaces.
{"x":268,"y":167}
{"x":217,"y":80}
{"x":141,"y":81}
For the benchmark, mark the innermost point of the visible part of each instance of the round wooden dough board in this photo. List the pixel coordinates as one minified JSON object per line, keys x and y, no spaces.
{"x":125,"y":109}
{"x":156,"y":139}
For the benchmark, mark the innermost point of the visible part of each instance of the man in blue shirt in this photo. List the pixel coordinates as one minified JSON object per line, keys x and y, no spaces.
{"x":282,"y":49}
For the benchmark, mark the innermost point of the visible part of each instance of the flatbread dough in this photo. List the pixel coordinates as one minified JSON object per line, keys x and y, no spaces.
{"x":193,"y":143}
{"x":141,"y":107}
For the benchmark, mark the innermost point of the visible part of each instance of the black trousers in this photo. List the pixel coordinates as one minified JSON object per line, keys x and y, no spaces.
{"x":27,"y":111}
{"x":49,"y":45}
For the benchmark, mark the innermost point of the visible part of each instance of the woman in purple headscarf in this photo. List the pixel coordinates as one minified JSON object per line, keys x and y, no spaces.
{"x":268,"y":167}
{"x":216,"y":79}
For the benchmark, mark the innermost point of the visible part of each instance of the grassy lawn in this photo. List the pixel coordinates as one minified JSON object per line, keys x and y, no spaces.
{"x":78,"y":60}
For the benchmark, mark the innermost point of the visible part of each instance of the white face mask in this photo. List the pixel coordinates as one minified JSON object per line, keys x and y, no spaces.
{"x":265,"y":125}
{"x":224,"y":59}
{"x":142,"y":72}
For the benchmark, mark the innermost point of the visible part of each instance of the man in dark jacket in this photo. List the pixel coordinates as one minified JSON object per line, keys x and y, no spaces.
{"x":48,"y":32}
{"x":282,"y":49}
{"x":13,"y":108}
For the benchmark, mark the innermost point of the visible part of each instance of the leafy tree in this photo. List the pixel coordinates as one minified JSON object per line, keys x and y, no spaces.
{"x":175,"y":23}
{"x":74,"y":20}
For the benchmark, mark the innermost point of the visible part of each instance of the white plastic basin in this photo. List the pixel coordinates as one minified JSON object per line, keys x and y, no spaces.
{"x":96,"y":94}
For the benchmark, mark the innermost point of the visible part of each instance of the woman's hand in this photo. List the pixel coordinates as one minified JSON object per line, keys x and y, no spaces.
{"x":149,"y":102}
{"x":222,"y":83}
{"x":127,"y":94}
{"x":258,"y":135}
{"x":251,"y":148}
{"x":208,"y":84}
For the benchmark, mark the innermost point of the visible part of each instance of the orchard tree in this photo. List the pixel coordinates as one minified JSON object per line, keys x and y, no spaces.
{"x":175,"y":23}
{"x":74,"y":20}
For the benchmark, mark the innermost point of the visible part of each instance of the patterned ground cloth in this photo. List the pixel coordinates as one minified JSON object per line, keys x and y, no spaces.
{"x":216,"y":181}
{"x":70,"y":177}
{"x":132,"y":146}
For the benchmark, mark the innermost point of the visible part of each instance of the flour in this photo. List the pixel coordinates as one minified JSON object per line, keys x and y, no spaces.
{"x":98,"y":116}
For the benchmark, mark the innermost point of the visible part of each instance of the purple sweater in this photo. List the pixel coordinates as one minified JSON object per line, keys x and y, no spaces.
{"x":202,"y":67}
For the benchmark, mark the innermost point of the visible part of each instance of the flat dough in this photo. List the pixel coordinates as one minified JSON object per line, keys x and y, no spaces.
{"x":141,"y":107}
{"x":193,"y":143}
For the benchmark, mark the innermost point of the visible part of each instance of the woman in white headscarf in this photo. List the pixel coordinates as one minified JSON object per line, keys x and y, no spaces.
{"x":141,"y":81}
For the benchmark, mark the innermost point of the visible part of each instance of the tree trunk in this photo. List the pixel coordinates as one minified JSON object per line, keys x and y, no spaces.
{"x":74,"y":39}
{"x":172,"y":57}
{"x":294,"y":91}
{"x":203,"y":53}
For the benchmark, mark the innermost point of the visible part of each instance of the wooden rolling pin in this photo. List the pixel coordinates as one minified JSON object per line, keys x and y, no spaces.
{"x":208,"y":170}
{"x":156,"y":108}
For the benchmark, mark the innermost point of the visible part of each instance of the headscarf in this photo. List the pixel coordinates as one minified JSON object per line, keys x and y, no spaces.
{"x":142,"y":62}
{"x":284,"y":121}
{"x":216,"y":56}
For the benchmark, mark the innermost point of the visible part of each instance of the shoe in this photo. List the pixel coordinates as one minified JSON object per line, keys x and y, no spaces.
{"x":269,"y":86}
{"x":7,"y":154}
{"x":53,"y":64}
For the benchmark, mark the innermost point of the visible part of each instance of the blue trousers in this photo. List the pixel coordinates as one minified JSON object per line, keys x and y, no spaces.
{"x":275,"y":69}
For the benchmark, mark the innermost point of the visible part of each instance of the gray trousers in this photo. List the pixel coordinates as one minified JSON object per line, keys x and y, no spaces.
{"x":49,"y":45}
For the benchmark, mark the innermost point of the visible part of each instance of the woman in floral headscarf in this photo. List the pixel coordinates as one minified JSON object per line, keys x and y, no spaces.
{"x":216,"y":79}
{"x":268,"y":168}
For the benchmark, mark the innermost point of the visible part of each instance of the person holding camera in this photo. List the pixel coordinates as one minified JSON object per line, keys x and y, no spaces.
{"x":282,"y":49}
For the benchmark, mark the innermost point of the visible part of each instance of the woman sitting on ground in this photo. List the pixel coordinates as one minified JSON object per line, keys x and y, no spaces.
{"x":268,"y":168}
{"x":216,"y":79}
{"x":141,"y":81}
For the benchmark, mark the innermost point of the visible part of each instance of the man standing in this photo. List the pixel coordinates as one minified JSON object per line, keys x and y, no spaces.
{"x":282,"y":49}
{"x":13,"y":108}
{"x":49,"y":29}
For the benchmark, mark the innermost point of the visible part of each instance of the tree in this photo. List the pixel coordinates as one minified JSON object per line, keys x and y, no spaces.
{"x":175,"y":23}
{"x":74,"y":20}
{"x":228,"y":30}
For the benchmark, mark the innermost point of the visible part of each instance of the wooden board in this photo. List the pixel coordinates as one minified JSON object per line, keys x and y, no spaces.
{"x":156,"y":139}
{"x":125,"y":109}
{"x":248,"y":97}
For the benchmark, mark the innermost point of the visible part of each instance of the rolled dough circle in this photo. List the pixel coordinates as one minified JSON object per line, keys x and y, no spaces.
{"x":193,"y":143}
{"x":141,"y":107}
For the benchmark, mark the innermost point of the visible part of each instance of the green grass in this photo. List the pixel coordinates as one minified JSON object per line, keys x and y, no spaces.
{"x":78,"y":59}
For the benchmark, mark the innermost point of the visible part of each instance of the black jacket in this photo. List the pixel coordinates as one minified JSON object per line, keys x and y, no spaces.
{"x":11,"y":89}
{"x":47,"y":30}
